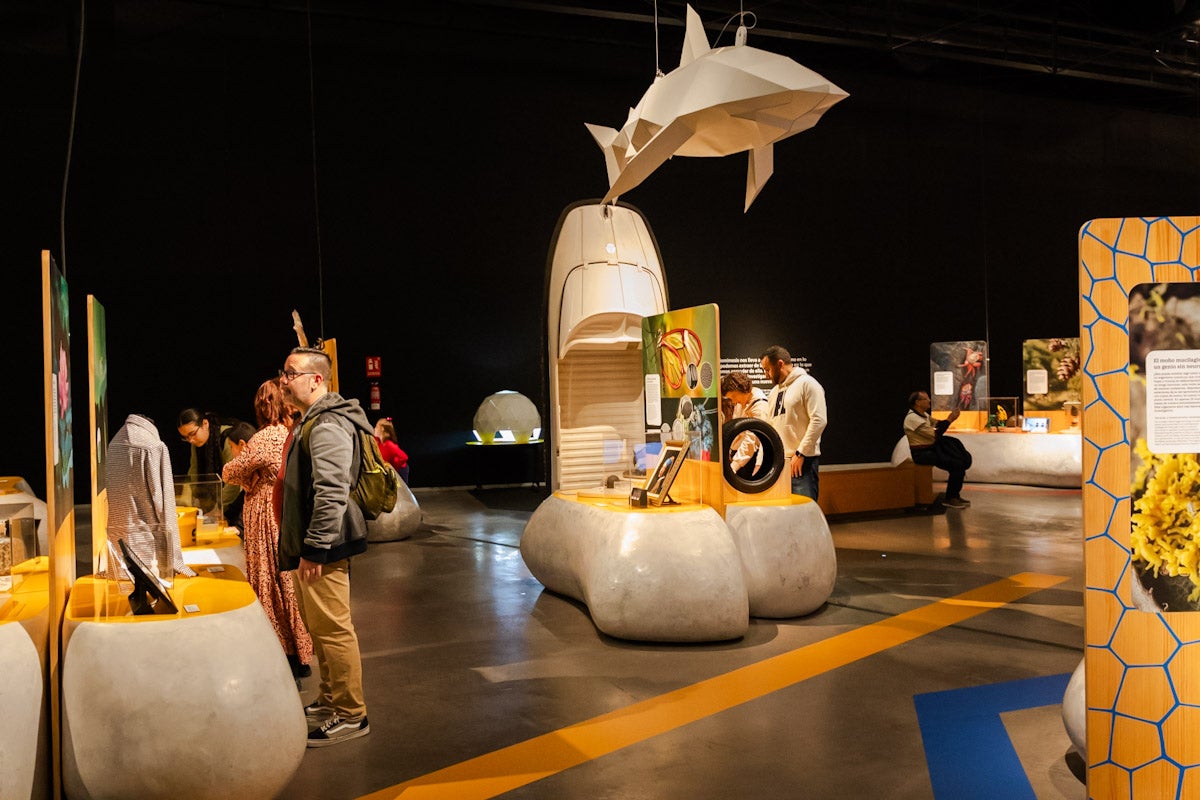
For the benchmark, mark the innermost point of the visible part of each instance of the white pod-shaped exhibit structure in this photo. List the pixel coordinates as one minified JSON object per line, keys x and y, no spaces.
{"x":604,"y":275}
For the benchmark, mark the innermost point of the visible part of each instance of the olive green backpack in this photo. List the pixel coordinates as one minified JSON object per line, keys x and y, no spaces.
{"x":377,"y":485}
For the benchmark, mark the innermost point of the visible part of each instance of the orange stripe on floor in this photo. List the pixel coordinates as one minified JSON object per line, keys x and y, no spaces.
{"x":501,"y":771}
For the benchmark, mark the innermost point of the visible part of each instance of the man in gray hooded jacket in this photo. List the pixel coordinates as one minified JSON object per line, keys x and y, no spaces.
{"x":320,"y":529}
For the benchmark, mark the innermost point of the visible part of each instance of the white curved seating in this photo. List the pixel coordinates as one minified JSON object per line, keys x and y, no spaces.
{"x":787,"y":555}
{"x":644,"y":574}
{"x":1030,"y":459}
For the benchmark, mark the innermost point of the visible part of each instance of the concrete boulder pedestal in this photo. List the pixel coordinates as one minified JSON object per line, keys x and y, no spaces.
{"x":24,"y":747}
{"x":787,"y":555}
{"x":658,"y":574}
{"x":399,"y":523}
{"x":199,"y":705}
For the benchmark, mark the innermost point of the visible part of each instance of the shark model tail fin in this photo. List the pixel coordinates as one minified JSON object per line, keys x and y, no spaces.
{"x":762,"y":165}
{"x":606,"y":138}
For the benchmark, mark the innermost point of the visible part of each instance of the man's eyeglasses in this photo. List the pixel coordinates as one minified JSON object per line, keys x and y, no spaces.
{"x":290,"y":375}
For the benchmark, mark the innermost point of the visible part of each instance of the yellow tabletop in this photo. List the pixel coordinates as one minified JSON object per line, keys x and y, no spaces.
{"x":28,"y":599}
{"x":218,"y":588}
{"x":621,"y":504}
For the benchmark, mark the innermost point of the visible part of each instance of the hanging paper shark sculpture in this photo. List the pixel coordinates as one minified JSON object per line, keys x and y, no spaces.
{"x":716,"y":103}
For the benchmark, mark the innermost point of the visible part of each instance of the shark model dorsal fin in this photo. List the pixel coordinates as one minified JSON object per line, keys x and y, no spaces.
{"x":695,"y":42}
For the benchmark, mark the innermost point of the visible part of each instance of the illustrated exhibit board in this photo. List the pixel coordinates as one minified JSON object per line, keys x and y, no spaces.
{"x":680,"y":363}
{"x":1139,"y":394}
{"x":958,"y":376}
{"x":98,"y":410}
{"x":60,"y":473}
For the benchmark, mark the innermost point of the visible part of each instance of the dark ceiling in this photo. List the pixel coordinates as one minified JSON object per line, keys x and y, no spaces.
{"x":1151,"y":45}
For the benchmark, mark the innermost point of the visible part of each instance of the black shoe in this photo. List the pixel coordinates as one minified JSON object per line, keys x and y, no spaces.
{"x":337,"y":730}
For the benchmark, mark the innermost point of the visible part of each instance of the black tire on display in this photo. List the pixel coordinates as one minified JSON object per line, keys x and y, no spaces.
{"x":747,"y":479}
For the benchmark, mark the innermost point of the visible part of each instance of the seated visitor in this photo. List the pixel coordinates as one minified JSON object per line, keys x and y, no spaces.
{"x":930,"y":446}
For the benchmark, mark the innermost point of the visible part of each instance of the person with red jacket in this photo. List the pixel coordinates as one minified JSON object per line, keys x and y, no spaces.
{"x":385,"y":432}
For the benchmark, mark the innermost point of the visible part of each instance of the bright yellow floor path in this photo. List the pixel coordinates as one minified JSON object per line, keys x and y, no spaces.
{"x":501,"y":771}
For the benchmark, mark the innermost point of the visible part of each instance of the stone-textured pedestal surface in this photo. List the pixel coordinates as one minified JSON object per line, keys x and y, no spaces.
{"x":649,"y":575}
{"x":1074,"y":711}
{"x":399,"y":523}
{"x":787,"y":555}
{"x":200,"y":707}
{"x":24,"y":763}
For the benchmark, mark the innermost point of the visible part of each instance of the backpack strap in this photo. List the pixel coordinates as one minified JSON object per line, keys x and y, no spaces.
{"x":306,"y":428}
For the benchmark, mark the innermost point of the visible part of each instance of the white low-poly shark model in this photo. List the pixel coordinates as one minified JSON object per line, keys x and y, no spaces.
{"x":717,"y":102}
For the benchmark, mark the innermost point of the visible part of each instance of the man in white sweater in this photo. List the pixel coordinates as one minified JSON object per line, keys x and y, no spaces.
{"x":797,"y":411}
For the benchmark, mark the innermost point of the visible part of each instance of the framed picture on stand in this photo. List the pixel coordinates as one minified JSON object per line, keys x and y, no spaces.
{"x":658,"y":485}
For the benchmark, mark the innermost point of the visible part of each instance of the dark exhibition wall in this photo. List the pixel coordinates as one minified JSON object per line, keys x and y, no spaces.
{"x":940,"y":202}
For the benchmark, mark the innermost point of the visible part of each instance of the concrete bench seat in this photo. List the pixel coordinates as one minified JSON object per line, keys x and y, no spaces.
{"x":875,"y":486}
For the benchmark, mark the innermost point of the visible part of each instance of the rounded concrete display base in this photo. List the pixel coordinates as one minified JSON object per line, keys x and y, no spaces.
{"x":399,"y":523}
{"x":656,"y":574}
{"x":1074,"y":710}
{"x":198,"y":707}
{"x":23,"y":755}
{"x":787,"y":555}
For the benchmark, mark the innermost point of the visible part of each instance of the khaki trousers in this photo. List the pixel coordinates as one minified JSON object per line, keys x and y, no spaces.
{"x":325,"y":607}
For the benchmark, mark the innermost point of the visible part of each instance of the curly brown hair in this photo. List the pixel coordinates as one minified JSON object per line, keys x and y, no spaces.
{"x":268,"y":404}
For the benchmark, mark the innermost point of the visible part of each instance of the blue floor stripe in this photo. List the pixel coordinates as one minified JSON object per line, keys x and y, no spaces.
{"x":966,"y":746}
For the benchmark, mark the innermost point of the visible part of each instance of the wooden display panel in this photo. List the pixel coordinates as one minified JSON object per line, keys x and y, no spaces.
{"x":60,"y":479}
{"x":1143,"y":699}
{"x":98,"y":428}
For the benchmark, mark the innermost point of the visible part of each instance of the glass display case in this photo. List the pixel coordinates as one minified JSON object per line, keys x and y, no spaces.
{"x":18,"y":541}
{"x":202,"y":492}
{"x":1003,"y":413}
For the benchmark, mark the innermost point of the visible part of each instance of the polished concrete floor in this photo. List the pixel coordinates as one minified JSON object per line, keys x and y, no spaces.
{"x":473,"y":669}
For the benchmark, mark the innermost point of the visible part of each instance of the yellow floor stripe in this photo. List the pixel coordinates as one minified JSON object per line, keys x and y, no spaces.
{"x":503,"y":770}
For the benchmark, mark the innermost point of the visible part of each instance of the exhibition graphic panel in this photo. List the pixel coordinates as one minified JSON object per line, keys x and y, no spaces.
{"x":98,"y":409}
{"x":1164,"y":429}
{"x":958,"y":375}
{"x":681,"y":362}
{"x":1052,"y":375}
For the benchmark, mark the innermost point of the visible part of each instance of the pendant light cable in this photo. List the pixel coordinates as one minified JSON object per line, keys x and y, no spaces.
{"x":312,"y":122}
{"x":657,"y":68}
{"x":62,"y":211}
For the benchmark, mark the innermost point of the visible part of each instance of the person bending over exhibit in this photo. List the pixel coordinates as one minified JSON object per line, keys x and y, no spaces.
{"x":321,"y":529}
{"x":257,"y":457}
{"x":385,"y":432}
{"x":930,"y":446}
{"x":744,"y":400}
{"x":797,"y":411}
{"x":205,"y":432}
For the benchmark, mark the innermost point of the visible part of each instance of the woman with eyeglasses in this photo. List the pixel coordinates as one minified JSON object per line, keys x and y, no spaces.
{"x":205,"y":432}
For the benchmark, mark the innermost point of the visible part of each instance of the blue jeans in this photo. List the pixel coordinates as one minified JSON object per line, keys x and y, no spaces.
{"x":808,"y":483}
